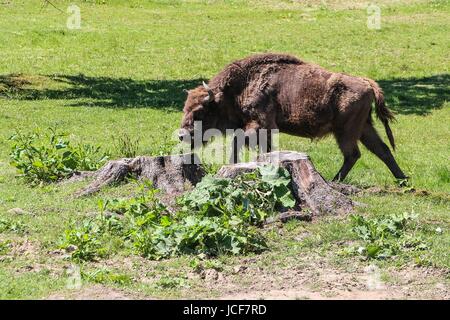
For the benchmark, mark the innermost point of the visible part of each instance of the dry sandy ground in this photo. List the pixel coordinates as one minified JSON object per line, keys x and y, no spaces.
{"x":314,"y":281}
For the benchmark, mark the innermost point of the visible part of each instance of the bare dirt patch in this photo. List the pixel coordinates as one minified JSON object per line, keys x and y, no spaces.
{"x":315,"y":278}
{"x":306,"y":277}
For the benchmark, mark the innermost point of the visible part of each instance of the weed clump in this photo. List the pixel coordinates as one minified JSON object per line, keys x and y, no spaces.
{"x":8,"y":225}
{"x":49,"y":156}
{"x":219,"y":216}
{"x":385,"y":237}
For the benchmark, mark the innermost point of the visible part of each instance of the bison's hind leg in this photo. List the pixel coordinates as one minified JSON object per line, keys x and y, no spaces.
{"x":373,"y":142}
{"x":351,"y":154}
{"x":348,"y":131}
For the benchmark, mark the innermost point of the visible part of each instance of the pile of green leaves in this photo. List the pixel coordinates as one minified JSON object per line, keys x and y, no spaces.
{"x":252,"y":196}
{"x":219,"y":216}
{"x":49,"y":156}
{"x":387,"y":236}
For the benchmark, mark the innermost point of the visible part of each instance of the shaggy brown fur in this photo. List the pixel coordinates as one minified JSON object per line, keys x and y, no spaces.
{"x":278,"y":91}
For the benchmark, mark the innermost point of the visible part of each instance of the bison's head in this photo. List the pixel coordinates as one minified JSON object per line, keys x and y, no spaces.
{"x":201,"y":112}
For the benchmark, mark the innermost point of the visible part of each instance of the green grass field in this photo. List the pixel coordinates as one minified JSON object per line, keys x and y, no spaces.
{"x":124,"y":72}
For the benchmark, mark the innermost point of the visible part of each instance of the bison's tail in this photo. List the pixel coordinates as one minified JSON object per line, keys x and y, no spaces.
{"x":383,"y":113}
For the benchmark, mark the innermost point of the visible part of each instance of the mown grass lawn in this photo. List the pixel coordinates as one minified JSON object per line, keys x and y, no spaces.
{"x":124,"y":72}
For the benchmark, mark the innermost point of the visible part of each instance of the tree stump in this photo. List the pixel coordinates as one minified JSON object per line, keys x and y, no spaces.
{"x":172,"y":174}
{"x":233,"y":170}
{"x":308,"y":187}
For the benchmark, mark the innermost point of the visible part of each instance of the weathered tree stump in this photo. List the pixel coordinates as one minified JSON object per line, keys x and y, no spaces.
{"x":233,"y":170}
{"x":309,"y":188}
{"x":172,"y":174}
{"x":308,"y":185}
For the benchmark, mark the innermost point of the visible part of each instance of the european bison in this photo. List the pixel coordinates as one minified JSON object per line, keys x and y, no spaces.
{"x":278,"y":91}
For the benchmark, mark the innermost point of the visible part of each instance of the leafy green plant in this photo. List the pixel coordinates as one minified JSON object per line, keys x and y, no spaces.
{"x":195,"y":235}
{"x":49,"y":156}
{"x":253,"y":195}
{"x":8,"y":225}
{"x":128,"y":215}
{"x":387,"y":236}
{"x":119,"y":219}
{"x":219,"y":216}
{"x":168,"y":282}
{"x":84,"y":242}
{"x":87,"y":157}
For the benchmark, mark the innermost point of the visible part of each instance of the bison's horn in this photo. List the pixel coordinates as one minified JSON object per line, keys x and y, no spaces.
{"x":210,"y":93}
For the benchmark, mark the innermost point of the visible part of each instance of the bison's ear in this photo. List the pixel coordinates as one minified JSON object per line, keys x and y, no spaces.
{"x":218,"y":97}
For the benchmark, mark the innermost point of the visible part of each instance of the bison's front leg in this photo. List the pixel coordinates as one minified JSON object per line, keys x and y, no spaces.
{"x":264,"y":140}
{"x":241,"y":138}
{"x":252,"y":137}
{"x":235,"y":149}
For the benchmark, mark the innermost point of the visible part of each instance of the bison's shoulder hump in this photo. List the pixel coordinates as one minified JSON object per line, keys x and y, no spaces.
{"x":268,"y":58}
{"x":238,"y":72}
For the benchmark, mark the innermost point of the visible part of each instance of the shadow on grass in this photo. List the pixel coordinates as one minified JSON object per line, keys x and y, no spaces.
{"x":404,"y":95}
{"x":417,"y":95}
{"x":106,"y":92}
